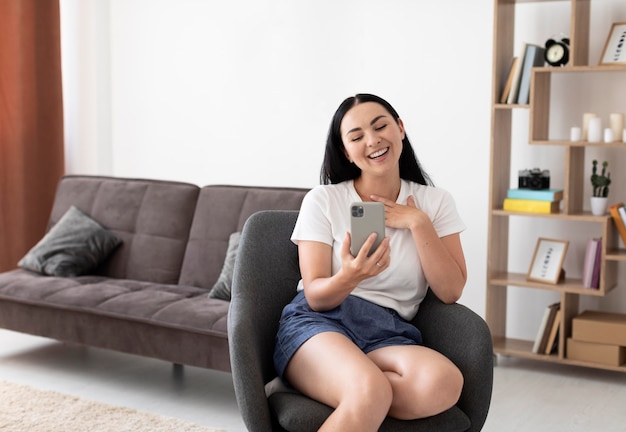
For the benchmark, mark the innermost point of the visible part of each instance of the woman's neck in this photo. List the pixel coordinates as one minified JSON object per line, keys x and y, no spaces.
{"x":367,"y":187}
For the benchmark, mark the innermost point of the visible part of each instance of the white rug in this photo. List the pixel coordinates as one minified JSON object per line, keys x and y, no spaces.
{"x":23,"y":408}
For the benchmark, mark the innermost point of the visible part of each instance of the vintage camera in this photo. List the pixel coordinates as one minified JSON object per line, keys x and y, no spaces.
{"x":534,"y":179}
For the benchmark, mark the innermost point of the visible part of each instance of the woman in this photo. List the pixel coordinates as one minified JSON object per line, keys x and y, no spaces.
{"x":344,"y":340}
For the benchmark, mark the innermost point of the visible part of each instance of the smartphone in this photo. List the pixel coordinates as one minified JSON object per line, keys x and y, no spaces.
{"x":366,"y":218}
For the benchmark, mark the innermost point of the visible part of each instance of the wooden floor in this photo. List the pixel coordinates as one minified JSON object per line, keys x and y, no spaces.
{"x":528,"y":395}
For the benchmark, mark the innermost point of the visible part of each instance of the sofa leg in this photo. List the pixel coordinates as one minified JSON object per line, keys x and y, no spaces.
{"x":177,"y":370}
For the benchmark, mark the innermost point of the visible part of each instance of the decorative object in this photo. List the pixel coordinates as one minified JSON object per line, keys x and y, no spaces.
{"x":594,"y":134}
{"x":221,"y":288}
{"x":76,"y":245}
{"x":608,"y":135}
{"x":598,"y":205}
{"x":600,"y":183}
{"x":557,"y":52}
{"x":586,"y":118}
{"x":614,"y":49}
{"x":575,"y":134}
{"x":616,"y":122}
{"x":547,"y":262}
{"x":624,"y":136}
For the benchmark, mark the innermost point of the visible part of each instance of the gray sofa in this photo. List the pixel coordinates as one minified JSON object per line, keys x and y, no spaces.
{"x":150,"y":296}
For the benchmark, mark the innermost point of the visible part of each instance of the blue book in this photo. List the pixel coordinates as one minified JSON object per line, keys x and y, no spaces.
{"x":536,"y":194}
{"x":533,"y":57}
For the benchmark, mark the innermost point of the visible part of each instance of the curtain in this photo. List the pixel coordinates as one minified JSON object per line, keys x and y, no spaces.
{"x":31,"y":122}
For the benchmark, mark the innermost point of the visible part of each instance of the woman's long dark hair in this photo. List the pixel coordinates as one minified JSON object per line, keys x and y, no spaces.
{"x":336,"y":166}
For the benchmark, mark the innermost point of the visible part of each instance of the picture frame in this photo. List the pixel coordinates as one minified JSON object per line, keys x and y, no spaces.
{"x":547,"y":262}
{"x":614,"y":52}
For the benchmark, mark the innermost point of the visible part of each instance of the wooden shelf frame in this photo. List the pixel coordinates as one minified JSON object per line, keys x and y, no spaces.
{"x":499,"y":278}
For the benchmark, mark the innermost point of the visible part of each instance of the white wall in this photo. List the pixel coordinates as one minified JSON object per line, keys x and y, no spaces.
{"x":242,"y":91}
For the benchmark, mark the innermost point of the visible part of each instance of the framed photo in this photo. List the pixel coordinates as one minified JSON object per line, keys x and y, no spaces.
{"x":615,"y":47}
{"x":547,"y":261}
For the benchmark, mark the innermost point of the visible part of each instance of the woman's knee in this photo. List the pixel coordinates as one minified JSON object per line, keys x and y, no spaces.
{"x":375,"y":386}
{"x":446,"y":382}
{"x":371,"y":394}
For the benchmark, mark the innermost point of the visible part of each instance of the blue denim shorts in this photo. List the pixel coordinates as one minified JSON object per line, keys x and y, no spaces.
{"x":366,"y":324}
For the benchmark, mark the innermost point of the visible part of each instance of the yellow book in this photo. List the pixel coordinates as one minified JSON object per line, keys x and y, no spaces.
{"x":531,"y":206}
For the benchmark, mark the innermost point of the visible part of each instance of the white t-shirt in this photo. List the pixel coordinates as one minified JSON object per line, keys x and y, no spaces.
{"x":325,"y":217}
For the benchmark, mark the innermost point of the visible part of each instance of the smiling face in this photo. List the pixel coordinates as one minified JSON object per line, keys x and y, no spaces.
{"x":372,"y":138}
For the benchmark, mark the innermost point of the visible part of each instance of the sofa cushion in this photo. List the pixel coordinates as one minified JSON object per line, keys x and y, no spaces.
{"x":174,"y":306}
{"x":221,"y":289}
{"x":296,"y":412}
{"x":151,"y":217}
{"x":76,"y":245}
{"x":223,"y":210}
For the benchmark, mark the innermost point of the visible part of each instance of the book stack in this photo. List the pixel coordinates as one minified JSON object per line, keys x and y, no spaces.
{"x":533,"y":200}
{"x":591,"y":266}
{"x":517,"y":86}
{"x":546,"y":340}
{"x":618,"y":212}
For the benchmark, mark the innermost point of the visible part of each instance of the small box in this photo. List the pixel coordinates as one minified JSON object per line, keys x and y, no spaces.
{"x":611,"y":355}
{"x":600,"y":327}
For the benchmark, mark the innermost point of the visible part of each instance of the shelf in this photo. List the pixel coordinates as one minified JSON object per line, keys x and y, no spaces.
{"x":548,"y":84}
{"x":577,"y":69}
{"x":523,"y":349}
{"x":577,"y":143}
{"x":615,"y":255}
{"x":510,"y":106}
{"x":571,"y":285}
{"x":574,"y":217}
{"x":531,"y":1}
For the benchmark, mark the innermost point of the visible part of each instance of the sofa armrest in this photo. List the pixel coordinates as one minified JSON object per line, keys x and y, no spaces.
{"x":464,"y":337}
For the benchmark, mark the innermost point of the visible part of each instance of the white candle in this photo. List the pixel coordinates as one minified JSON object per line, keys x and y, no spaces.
{"x":624,"y":136}
{"x":616,"y":122}
{"x":608,"y":135}
{"x":594,"y":132}
{"x":586,"y":118}
{"x":575,"y":134}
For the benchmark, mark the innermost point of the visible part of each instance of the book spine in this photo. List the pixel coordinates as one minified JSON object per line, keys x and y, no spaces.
{"x":531,"y":206}
{"x":590,"y":257}
{"x":617,"y":219}
{"x":509,"y":81}
{"x":552,"y":341}
{"x":595,"y":277}
{"x":532,"y":57}
{"x":537,"y":195}
{"x":542,"y":329}
{"x":512,"y":98}
{"x":622,"y":214}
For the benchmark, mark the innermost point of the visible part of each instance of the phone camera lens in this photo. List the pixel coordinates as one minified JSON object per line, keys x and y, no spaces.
{"x":357,"y":211}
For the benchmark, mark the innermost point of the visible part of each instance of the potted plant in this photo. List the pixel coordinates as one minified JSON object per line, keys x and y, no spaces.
{"x":600,"y":183}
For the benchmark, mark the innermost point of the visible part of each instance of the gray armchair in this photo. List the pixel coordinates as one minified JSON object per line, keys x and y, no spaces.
{"x":265,"y":279}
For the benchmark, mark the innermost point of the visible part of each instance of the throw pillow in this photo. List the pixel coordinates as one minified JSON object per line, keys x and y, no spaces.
{"x":221,"y":289}
{"x":74,"y":246}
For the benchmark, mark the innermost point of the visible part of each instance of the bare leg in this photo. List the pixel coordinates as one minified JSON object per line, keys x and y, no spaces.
{"x":331,"y":369}
{"x":424,"y":381}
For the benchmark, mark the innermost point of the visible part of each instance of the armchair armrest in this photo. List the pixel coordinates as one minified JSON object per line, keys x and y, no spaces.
{"x":464,"y":337}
